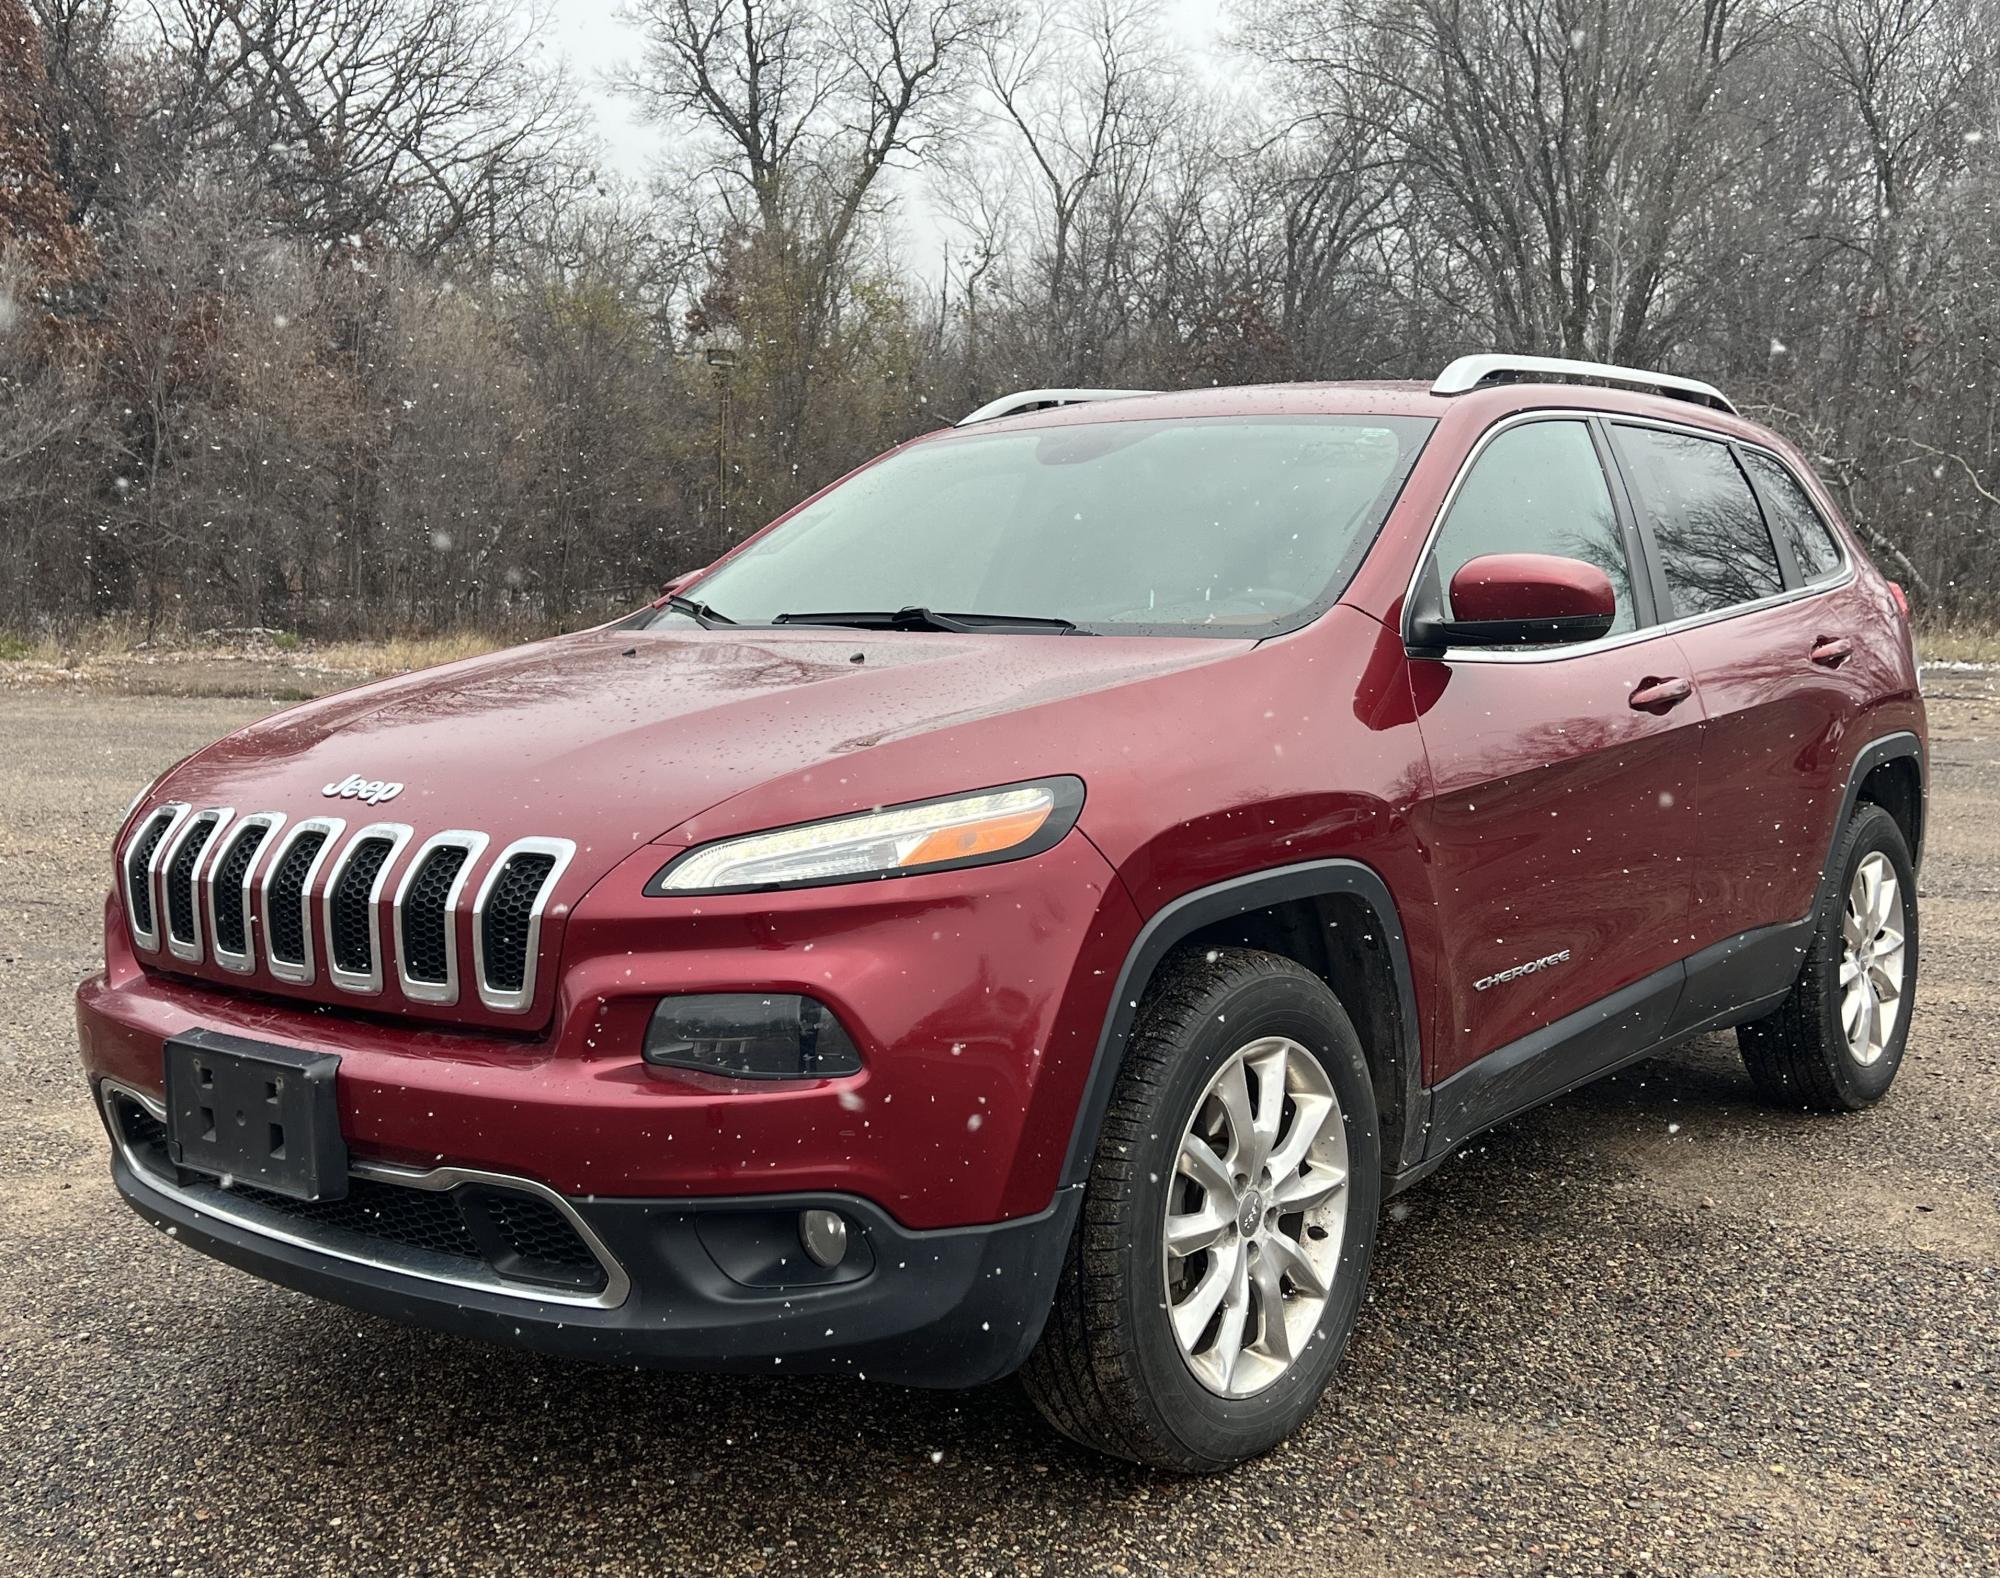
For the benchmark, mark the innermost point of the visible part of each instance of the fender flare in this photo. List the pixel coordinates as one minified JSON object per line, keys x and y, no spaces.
{"x":1189,"y":913}
{"x":1888,"y":748}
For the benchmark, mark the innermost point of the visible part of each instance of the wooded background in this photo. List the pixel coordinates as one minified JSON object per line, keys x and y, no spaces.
{"x":323,"y":315}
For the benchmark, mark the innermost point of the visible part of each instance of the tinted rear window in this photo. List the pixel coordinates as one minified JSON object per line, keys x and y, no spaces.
{"x":1714,"y":546}
{"x":1794,"y":516}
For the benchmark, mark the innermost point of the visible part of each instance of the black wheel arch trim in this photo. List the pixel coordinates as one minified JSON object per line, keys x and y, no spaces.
{"x":1182,"y":917}
{"x":1887,"y":748}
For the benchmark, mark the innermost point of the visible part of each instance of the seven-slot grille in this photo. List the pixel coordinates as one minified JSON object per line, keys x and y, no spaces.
{"x":509,"y":909}
{"x":229,"y":914}
{"x":185,"y":864}
{"x":288,"y":929}
{"x":138,"y":873}
{"x":427,"y":939}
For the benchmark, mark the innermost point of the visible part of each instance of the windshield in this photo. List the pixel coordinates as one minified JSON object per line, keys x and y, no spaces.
{"x":1230,"y":527}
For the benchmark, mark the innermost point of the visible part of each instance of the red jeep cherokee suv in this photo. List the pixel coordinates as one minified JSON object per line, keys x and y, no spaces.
{"x":1026,"y":908}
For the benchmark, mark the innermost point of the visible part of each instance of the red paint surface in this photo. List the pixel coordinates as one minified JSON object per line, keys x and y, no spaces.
{"x":1514,"y":808}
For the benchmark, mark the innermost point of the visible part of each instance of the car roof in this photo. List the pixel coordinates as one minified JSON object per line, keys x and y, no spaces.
{"x":1377,"y":397}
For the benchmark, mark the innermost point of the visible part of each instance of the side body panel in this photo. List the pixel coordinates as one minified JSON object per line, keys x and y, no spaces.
{"x":1780,"y":735}
{"x":1561,"y":827}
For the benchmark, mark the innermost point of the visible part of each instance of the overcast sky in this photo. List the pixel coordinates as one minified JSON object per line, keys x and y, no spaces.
{"x":599,"y":44}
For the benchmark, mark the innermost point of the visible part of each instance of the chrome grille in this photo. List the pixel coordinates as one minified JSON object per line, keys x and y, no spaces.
{"x":427,"y":941}
{"x":353,"y":891}
{"x":507,"y":919}
{"x":188,"y":870}
{"x":180,"y":884}
{"x":288,"y":939}
{"x":137,"y":871}
{"x":426,"y":913}
{"x":230,"y":917}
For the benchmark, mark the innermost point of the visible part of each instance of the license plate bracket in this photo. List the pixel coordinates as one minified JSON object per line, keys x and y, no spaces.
{"x":257,"y":1114}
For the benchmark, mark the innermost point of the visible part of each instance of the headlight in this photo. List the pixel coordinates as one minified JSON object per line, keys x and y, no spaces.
{"x":1007,"y":823}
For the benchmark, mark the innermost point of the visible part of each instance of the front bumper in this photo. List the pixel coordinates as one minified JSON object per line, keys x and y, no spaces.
{"x":693,"y":1284}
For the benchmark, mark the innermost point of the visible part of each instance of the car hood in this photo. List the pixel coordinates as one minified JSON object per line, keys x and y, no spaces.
{"x":614,"y":737}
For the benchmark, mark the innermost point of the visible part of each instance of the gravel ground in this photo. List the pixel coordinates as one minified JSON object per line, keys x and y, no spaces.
{"x":1656,"y":1327}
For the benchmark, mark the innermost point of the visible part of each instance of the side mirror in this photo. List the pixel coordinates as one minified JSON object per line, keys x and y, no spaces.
{"x":685,"y":578}
{"x":1514,"y":599}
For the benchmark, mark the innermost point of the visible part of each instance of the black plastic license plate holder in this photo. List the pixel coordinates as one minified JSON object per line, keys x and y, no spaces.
{"x":255,"y":1114}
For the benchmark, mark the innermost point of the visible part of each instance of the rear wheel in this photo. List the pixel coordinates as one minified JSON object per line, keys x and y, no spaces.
{"x":1228,"y":1223}
{"x":1835,"y":1044}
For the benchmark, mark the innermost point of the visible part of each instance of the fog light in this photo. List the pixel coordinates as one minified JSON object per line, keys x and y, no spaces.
{"x":824,"y":1235}
{"x":744,"y":1035}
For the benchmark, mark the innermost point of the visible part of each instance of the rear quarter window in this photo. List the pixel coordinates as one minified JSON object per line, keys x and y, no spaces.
{"x":1794,"y":516}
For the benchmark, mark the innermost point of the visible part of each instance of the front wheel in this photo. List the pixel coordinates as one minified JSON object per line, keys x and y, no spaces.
{"x":1227,"y":1225}
{"x":1835,"y":1044}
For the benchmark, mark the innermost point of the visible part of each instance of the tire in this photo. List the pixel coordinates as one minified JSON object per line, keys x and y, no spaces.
{"x":1110,"y":1371}
{"x":1801,"y":1055}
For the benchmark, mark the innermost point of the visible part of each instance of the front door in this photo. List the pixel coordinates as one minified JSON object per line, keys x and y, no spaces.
{"x":1561,"y":826}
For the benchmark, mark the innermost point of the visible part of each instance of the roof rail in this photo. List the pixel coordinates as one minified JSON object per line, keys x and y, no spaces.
{"x":1042,"y":400}
{"x":1470,"y":372}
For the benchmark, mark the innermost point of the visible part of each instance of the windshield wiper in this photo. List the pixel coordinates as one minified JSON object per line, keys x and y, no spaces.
{"x":915,"y":618}
{"x":700,"y":613}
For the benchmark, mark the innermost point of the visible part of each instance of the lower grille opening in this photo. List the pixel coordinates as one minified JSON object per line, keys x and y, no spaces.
{"x":518,"y":1237}
{"x":539,"y":1243}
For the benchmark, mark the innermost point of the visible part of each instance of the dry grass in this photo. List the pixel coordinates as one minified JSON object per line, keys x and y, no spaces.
{"x":113,"y":655}
{"x":400,"y":654}
{"x":1959,"y":643}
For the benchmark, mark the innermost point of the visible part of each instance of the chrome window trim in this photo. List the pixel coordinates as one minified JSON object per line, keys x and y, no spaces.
{"x":300,"y":973}
{"x":218,"y":818}
{"x":474,"y":844}
{"x":1556,"y":654}
{"x":1675,"y":627}
{"x":369,"y":981}
{"x":1471,"y":372}
{"x":176,"y":812}
{"x":244,"y":1214}
{"x":517,"y":1002}
{"x":245,"y":962}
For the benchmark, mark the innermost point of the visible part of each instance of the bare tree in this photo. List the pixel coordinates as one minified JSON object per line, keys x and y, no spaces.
{"x":1087,"y":93}
{"x":803,"y":108}
{"x":1559,"y":148}
{"x":423,"y":121}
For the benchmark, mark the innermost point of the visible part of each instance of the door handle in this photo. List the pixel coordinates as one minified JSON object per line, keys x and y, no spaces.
{"x":1832,"y":651}
{"x":1658,"y":695}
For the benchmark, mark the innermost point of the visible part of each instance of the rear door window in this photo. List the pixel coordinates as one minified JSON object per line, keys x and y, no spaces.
{"x":1715,"y":549}
{"x":1793,"y":514}
{"x":1538,"y":488}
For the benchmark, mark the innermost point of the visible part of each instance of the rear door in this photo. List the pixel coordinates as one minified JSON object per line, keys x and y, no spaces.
{"x":1776,"y":650}
{"x":1560,"y":829}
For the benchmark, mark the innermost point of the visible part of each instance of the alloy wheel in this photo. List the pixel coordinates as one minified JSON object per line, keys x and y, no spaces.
{"x":1871,"y":958}
{"x":1256,"y":1210}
